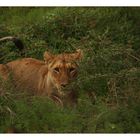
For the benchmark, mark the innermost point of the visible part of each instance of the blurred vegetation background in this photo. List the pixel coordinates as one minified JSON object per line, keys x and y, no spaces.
{"x":109,"y":78}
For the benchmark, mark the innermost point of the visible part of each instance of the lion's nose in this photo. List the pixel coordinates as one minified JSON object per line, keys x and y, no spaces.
{"x":64,"y":84}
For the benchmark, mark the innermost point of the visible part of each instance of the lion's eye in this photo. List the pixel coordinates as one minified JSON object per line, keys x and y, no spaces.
{"x":56,"y":69}
{"x":72,"y":69}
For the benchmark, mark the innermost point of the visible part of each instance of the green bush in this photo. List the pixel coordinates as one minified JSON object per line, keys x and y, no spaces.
{"x":109,"y":77}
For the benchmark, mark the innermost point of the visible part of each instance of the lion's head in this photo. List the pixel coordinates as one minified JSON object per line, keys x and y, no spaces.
{"x":62,"y":68}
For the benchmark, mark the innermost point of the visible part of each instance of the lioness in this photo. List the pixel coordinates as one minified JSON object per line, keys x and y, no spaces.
{"x":48,"y":77}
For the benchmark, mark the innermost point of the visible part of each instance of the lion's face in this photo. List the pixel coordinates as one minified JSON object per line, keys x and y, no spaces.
{"x":62,"y":68}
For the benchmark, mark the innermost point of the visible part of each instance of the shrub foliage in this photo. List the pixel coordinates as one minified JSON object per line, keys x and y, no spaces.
{"x":109,"y":77}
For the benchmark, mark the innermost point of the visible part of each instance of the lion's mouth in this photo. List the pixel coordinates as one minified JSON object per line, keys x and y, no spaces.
{"x":61,"y":91}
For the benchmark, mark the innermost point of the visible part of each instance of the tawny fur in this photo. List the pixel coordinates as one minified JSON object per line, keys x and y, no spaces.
{"x":47,"y":77}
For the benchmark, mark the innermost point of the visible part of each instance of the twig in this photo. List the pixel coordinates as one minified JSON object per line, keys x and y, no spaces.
{"x":133,"y":57}
{"x":7,"y":38}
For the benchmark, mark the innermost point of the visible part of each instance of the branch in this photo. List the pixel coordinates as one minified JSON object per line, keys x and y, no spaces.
{"x":7,"y":38}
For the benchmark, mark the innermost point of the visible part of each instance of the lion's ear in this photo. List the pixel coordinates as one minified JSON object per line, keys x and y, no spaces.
{"x":48,"y":57}
{"x":78,"y":55}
